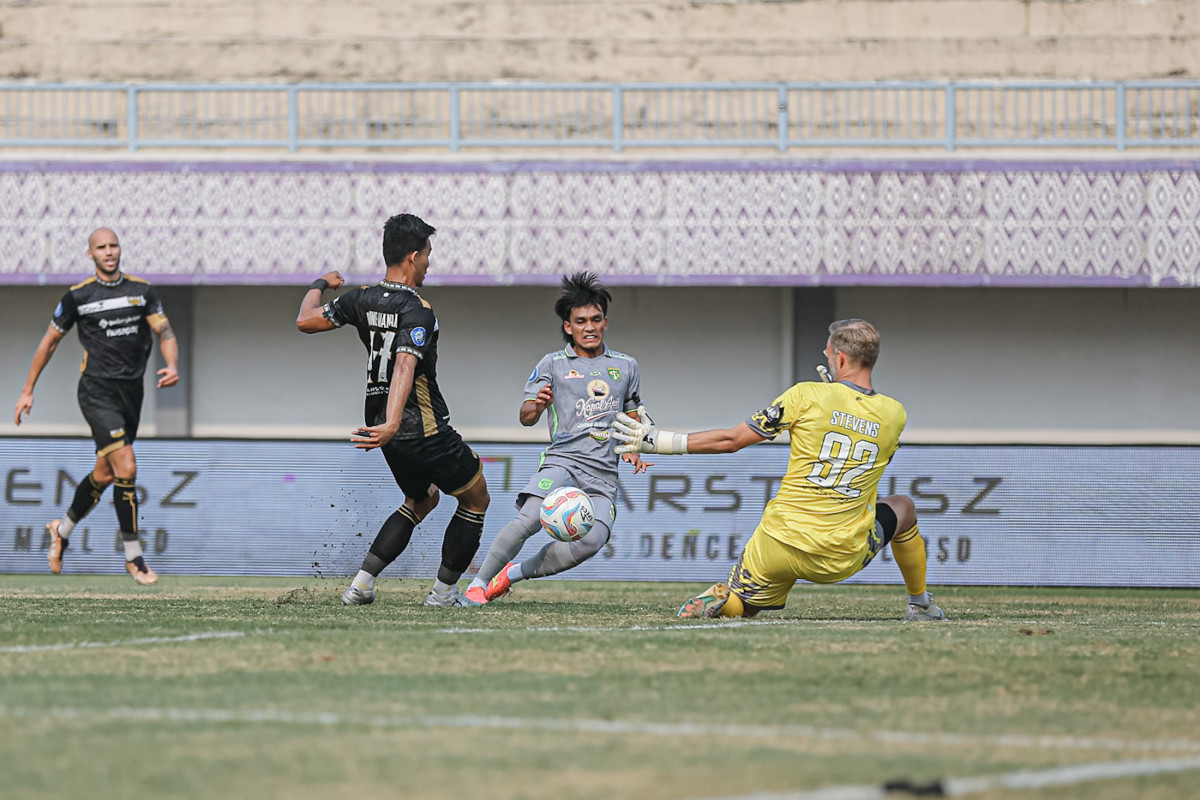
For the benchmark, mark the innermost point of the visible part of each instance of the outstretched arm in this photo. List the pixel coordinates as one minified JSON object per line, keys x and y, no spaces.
{"x":724,"y":440}
{"x":311,"y":318}
{"x":643,"y":436}
{"x":41,"y":358}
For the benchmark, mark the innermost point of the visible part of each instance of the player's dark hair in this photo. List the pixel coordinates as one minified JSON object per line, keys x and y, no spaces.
{"x":404,"y":234}
{"x":857,"y":338}
{"x":578,"y":291}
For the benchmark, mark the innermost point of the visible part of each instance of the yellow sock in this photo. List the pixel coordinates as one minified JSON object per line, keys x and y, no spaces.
{"x":908,"y":549}
{"x":733,"y":606}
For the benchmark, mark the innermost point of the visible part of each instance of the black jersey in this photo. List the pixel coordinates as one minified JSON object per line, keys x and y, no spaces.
{"x":114,"y":324}
{"x":392,"y":318}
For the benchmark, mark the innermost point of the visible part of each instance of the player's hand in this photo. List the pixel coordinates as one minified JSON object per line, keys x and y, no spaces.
{"x":544,"y":399}
{"x":167,"y":376}
{"x":643,"y":436}
{"x":368,"y":438}
{"x":635,"y":460}
{"x":24,"y":404}
{"x":334,"y":279}
{"x":638,"y":435}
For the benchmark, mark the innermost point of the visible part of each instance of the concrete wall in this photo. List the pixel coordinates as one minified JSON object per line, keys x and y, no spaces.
{"x":971,"y":365}
{"x":590,"y":40}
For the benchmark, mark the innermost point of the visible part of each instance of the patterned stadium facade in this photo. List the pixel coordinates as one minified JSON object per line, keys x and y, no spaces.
{"x":787,"y":223}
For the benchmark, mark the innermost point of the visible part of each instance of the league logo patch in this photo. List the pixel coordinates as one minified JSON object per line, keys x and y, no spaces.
{"x":58,"y":310}
{"x":532,"y":375}
{"x":418,"y":337}
{"x":614,"y":373}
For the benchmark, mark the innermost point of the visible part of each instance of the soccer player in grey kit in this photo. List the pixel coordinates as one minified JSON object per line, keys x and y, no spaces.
{"x":583,"y":385}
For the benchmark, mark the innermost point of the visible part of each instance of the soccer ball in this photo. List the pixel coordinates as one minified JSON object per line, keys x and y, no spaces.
{"x":567,"y":514}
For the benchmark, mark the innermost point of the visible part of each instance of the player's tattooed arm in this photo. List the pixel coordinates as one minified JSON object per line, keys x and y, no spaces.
{"x":169,"y":346}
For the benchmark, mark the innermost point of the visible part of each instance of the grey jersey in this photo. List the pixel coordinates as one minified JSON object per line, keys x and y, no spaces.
{"x":588,"y":393}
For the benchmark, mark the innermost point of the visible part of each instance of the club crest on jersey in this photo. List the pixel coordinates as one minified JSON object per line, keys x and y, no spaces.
{"x":418,"y":336}
{"x":573,"y":376}
{"x":770,"y":419}
{"x":614,"y":373}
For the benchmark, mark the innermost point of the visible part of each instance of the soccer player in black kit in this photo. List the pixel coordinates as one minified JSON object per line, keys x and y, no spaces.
{"x":405,"y":414}
{"x":115,"y":313}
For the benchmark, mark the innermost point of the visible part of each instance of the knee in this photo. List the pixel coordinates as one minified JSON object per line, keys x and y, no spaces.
{"x":906,"y":511}
{"x":422,"y":507}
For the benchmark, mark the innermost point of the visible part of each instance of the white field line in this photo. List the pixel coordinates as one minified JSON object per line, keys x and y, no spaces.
{"x":190,"y":637}
{"x":961,"y":787}
{"x":598,"y":726}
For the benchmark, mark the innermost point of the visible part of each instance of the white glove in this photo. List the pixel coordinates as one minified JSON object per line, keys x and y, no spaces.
{"x":644,"y":436}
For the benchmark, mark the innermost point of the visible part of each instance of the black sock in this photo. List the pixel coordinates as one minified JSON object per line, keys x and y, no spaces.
{"x":460,"y":543}
{"x":125,"y":499}
{"x":391,"y":540}
{"x":87,"y":495}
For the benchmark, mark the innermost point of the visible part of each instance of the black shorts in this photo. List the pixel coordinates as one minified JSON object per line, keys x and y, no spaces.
{"x":112,"y":408}
{"x":442,"y":460}
{"x":885,"y":522}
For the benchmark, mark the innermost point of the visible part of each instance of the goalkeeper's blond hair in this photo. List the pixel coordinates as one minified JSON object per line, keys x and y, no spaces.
{"x":857,"y":338}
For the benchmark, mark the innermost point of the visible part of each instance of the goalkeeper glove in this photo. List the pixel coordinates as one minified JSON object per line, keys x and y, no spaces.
{"x":643,"y":436}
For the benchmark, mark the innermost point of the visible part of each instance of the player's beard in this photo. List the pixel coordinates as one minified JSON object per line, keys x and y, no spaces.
{"x":106,"y":273}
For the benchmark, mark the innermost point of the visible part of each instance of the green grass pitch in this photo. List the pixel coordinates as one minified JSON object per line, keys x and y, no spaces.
{"x":270,"y":688}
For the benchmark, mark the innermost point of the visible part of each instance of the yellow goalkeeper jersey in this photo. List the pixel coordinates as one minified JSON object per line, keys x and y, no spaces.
{"x":842,"y":439}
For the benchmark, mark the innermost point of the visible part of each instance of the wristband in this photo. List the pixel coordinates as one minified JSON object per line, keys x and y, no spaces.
{"x":670,"y":443}
{"x":320,"y":284}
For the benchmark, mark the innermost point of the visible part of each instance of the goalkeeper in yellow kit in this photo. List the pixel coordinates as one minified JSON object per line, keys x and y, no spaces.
{"x":825,"y":523}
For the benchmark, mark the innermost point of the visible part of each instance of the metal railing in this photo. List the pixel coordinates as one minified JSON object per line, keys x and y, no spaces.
{"x":617,"y":117}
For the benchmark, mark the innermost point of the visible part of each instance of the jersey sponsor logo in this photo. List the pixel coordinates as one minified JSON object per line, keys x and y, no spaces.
{"x":573,"y":376}
{"x":600,"y":403}
{"x":418,"y":336}
{"x":108,"y":323}
{"x":546,"y":483}
{"x":601,"y":435}
{"x":99,"y":306}
{"x":117,"y":433}
{"x":614,"y":373}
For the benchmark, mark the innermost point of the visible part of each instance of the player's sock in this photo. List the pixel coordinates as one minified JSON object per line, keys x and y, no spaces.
{"x":442,"y":587}
{"x":133,"y":551}
{"x":394,"y":535}
{"x":87,"y":495}
{"x":364,"y":580}
{"x":125,"y":500}
{"x":460,"y":544}
{"x":477,"y":583}
{"x":733,"y":606}
{"x":908,"y":548}
{"x":515,"y":574}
